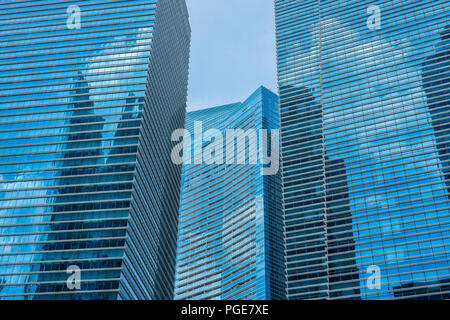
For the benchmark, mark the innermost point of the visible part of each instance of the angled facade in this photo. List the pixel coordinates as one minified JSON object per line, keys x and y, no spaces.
{"x":88,"y":192}
{"x":436,"y":84}
{"x":230,"y":241}
{"x":363,"y":117}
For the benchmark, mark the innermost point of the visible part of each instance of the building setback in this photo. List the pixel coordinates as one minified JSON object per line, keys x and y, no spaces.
{"x":363,"y":107}
{"x":230,"y":241}
{"x":89,"y":97}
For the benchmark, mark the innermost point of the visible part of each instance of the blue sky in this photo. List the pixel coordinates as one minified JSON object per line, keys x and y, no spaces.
{"x":232,"y":50}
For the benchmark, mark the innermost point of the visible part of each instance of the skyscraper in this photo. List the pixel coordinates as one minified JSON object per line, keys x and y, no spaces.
{"x":90,"y":93}
{"x":364,"y":171}
{"x":436,"y":83}
{"x":230,"y":243}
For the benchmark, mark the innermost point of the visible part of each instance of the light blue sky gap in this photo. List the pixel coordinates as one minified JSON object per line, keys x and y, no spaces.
{"x":232,"y":51}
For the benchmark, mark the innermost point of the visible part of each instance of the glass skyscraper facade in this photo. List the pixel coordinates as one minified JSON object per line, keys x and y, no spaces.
{"x":86,"y":179}
{"x":230,"y":242}
{"x":364,"y":98}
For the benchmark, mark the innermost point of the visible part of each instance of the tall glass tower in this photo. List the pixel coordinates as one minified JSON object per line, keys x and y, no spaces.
{"x":364,"y":135}
{"x":90,"y":93}
{"x":230,"y":243}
